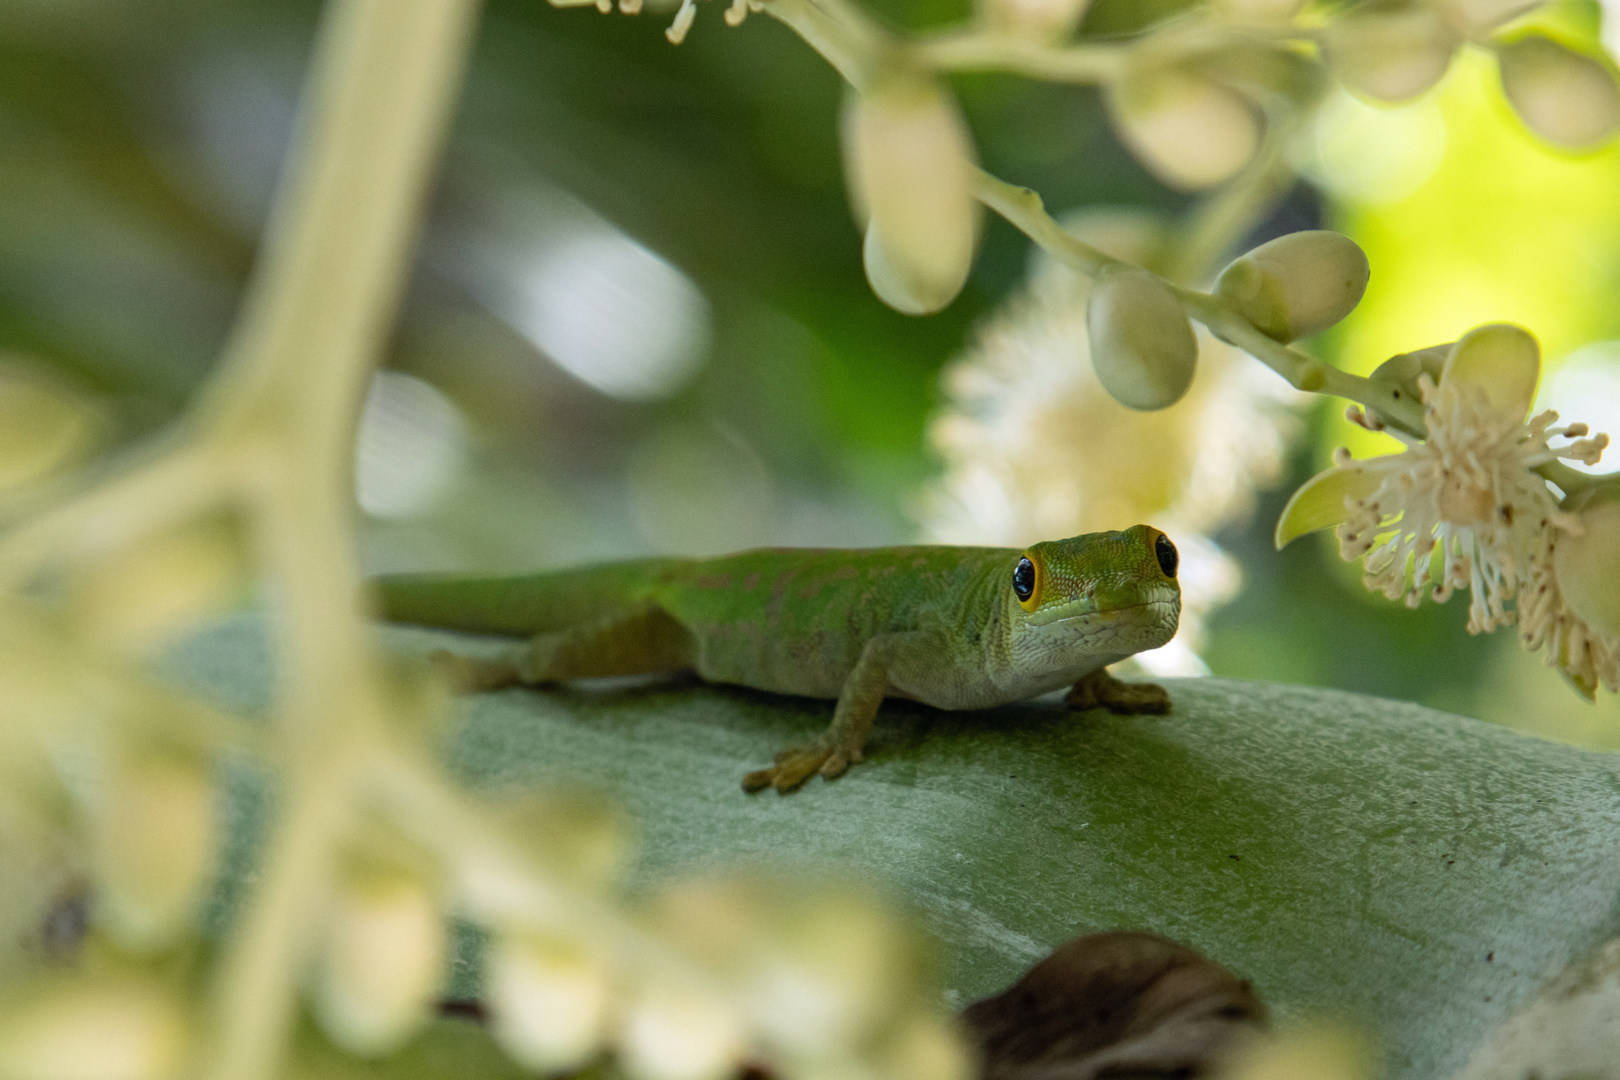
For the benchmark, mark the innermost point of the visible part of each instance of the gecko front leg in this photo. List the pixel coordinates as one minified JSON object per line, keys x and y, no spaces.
{"x":1102,"y":690}
{"x":841,"y":745}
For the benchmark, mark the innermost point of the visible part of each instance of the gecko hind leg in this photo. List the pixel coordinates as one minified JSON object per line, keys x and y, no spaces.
{"x":1102,"y":690}
{"x":641,"y":640}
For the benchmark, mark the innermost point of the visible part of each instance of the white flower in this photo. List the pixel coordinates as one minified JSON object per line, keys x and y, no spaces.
{"x":1463,"y":508}
{"x":682,"y":23}
{"x":1572,"y":601}
{"x":1585,"y":654}
{"x":1034,"y":448}
{"x":1465,"y":496}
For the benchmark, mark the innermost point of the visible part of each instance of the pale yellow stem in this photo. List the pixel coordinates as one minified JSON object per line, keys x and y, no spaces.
{"x":312,"y":328}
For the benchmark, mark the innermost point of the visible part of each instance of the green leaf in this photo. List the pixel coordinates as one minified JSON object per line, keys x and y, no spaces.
{"x":1411,"y":872}
{"x":1319,"y":502}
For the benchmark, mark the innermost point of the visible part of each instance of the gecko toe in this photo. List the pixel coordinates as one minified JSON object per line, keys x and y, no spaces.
{"x":793,"y":767}
{"x":797,"y":766}
{"x":836,"y":765}
{"x":1102,"y":690}
{"x":1141,"y":699}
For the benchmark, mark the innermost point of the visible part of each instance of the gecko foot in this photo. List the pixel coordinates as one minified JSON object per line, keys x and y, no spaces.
{"x":1102,"y":690}
{"x":798,"y":764}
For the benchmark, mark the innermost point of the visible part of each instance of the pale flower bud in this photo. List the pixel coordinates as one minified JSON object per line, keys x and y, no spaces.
{"x":1142,"y":344}
{"x":155,"y":833}
{"x":831,"y":973}
{"x":1587,"y":562}
{"x":548,"y":1003}
{"x":1296,"y":285}
{"x":1568,"y":98}
{"x":1475,"y":17}
{"x":1039,"y":20}
{"x":680,"y":1034}
{"x":383,"y":960}
{"x":93,"y":1031}
{"x":1319,"y":1053}
{"x":1389,"y":50}
{"x":927,"y":1048}
{"x":909,"y":161}
{"x":1190,"y":130}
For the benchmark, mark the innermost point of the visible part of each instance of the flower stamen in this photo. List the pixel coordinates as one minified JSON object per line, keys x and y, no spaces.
{"x":1462,"y":509}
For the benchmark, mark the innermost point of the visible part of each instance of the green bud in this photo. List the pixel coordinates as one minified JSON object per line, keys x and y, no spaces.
{"x":1142,"y":344}
{"x":382,"y":961}
{"x":1566,"y":97}
{"x":1190,"y":130}
{"x":548,"y":1003}
{"x":155,"y":833}
{"x":1587,"y":562}
{"x":82,"y":1030}
{"x":1296,"y":285}
{"x":1389,"y":50}
{"x":1401,"y":371}
{"x":909,"y":161}
{"x":1400,"y":374}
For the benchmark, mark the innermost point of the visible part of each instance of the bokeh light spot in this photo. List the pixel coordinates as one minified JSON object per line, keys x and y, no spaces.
{"x":411,"y":447}
{"x":613,"y":314}
{"x":1373,"y":155}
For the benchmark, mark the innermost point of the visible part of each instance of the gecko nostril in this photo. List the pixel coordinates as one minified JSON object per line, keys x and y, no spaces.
{"x":1166,"y":552}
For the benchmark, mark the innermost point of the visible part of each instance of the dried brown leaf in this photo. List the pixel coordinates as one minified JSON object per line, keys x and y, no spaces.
{"x":1118,"y":1004}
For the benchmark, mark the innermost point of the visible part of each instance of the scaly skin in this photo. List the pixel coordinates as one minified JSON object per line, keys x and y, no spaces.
{"x":945,"y":626}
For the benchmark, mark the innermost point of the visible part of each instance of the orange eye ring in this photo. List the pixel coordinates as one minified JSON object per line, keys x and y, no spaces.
{"x":1027,"y":581}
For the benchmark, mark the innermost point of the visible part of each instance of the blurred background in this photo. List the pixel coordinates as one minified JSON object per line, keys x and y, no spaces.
{"x":639,"y":323}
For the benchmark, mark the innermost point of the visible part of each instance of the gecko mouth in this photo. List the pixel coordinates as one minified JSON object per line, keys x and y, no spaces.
{"x":1089,"y":612}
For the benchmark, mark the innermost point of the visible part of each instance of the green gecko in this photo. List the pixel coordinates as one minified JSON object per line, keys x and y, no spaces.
{"x":952,"y":627}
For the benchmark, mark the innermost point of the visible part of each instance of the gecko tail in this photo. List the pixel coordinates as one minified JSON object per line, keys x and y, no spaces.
{"x":516,"y":604}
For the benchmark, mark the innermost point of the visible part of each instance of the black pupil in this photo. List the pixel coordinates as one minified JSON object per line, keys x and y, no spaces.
{"x":1166,"y":551}
{"x":1024,"y":577}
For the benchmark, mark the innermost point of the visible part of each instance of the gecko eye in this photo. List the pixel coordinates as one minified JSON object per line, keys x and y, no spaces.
{"x":1166,"y":552}
{"x":1024,"y":578}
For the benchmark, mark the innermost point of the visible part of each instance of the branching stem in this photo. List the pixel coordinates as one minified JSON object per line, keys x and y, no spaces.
{"x":1023,"y":208}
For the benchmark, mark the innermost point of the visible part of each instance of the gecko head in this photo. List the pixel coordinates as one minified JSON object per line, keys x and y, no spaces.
{"x":1108,"y":592}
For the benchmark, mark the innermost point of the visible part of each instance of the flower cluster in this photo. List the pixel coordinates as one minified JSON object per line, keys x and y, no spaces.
{"x":1464,"y":507}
